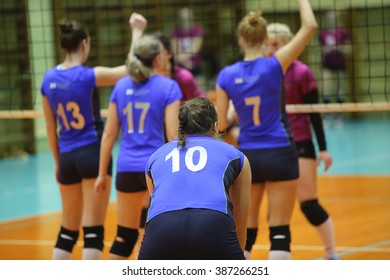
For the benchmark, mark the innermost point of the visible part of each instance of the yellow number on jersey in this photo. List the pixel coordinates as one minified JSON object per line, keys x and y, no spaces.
{"x":78,"y":121}
{"x":255,"y":101}
{"x":144,"y":106}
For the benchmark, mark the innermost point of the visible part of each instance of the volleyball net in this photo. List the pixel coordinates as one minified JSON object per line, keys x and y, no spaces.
{"x":30,"y":47}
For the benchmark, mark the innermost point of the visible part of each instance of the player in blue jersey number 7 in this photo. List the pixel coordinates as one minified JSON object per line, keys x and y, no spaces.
{"x":254,"y":86}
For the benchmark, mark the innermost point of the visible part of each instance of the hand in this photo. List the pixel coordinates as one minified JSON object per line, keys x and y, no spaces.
{"x":100,"y":184}
{"x":326,"y":158}
{"x":137,"y":22}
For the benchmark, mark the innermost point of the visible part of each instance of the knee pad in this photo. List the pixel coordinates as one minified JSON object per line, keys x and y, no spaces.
{"x":280,"y":238}
{"x":67,"y":239}
{"x":93,"y":237}
{"x":144,"y":215}
{"x":314,"y":212}
{"x":251,"y":234}
{"x":124,"y":241}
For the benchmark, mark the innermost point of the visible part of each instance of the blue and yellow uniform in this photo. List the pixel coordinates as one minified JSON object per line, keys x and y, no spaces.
{"x":190,"y":205}
{"x":73,"y":97}
{"x":140,"y":109}
{"x":72,"y":94}
{"x":255,"y":87}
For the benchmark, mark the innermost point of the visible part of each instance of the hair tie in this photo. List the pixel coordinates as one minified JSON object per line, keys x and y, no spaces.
{"x":148,"y":62}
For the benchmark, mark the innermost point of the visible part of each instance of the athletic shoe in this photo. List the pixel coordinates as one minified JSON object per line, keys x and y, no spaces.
{"x":334,"y":257}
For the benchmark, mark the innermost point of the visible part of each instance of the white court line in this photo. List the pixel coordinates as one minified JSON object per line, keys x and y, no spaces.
{"x":18,"y":242}
{"x":376,"y":247}
{"x":342,"y":249}
{"x":365,"y":248}
{"x":369,"y":201}
{"x":321,"y":248}
{"x":38,"y":219}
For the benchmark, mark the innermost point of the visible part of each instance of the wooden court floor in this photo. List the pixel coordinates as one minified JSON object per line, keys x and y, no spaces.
{"x":359,"y":205}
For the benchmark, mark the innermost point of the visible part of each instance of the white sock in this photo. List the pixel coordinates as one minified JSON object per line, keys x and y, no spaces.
{"x":247,"y":255}
{"x":116,"y":257}
{"x":59,"y":254}
{"x":333,"y":257}
{"x":279,"y":255}
{"x":92,"y":254}
{"x":326,"y":234}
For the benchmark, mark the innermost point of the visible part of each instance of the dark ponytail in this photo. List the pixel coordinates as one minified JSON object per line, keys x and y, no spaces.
{"x":72,"y":34}
{"x":196,"y":117}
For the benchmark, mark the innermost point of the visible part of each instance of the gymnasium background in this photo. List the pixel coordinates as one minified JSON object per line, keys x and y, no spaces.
{"x":29,"y":47}
{"x":355,"y":190}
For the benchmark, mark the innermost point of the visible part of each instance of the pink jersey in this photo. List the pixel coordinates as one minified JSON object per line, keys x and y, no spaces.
{"x":334,"y":59}
{"x":299,"y":80}
{"x":185,"y":38}
{"x":187,"y":83}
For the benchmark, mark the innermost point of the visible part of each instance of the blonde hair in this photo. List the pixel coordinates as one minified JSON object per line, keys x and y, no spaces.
{"x":140,"y":64}
{"x":252,"y":28}
{"x":281,"y":30}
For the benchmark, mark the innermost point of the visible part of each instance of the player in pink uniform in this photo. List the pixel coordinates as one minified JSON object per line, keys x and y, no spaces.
{"x":301,"y":88}
{"x":334,"y":42}
{"x":187,"y":82}
{"x":187,"y":40}
{"x":335,"y":46}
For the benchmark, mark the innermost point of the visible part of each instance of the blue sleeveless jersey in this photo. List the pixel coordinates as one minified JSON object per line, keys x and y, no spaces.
{"x":198,"y":176}
{"x":140,"y":109}
{"x":74,"y":99}
{"x":255,"y":89}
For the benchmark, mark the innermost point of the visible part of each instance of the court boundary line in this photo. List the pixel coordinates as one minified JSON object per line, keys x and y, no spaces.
{"x":342,"y":250}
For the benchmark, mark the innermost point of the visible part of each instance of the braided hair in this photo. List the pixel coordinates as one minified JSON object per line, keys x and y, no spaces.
{"x":197,"y":117}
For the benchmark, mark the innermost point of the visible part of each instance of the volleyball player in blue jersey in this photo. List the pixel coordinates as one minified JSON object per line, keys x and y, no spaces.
{"x":254,"y":86}
{"x":69,"y":97}
{"x":139,"y":106}
{"x":199,"y":190}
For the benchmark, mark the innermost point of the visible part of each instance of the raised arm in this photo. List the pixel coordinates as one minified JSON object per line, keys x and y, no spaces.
{"x":291,"y":51}
{"x":106,"y":76}
{"x":138,"y":25}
